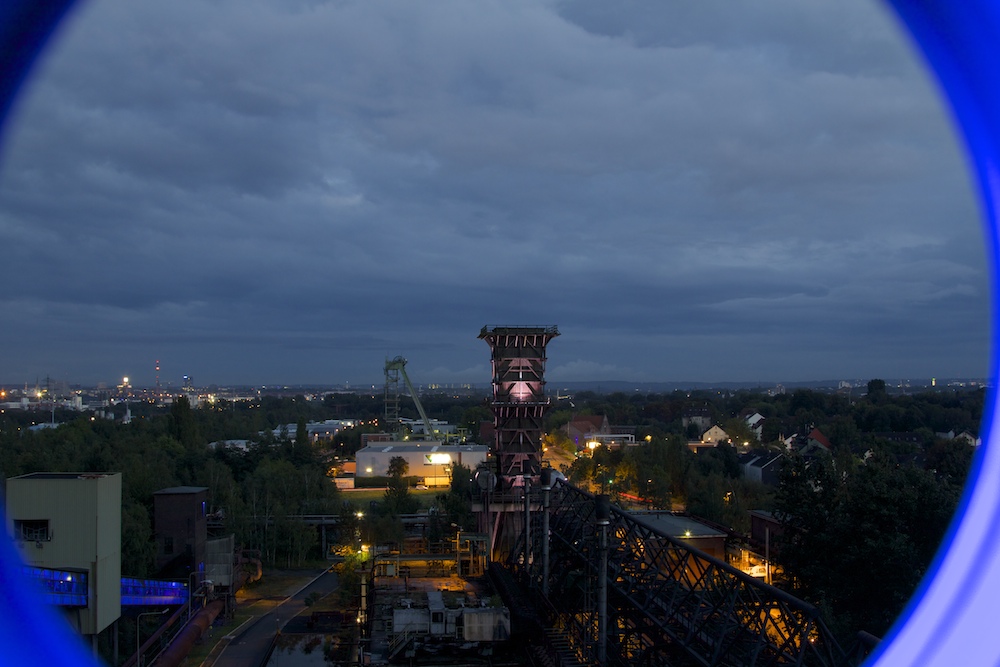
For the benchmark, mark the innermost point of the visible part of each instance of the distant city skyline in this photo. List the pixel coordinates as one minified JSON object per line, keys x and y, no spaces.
{"x":552,"y":387}
{"x":743,"y":192}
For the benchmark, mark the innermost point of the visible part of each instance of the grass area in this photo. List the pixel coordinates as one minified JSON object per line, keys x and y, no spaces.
{"x":362,"y":498}
{"x":281,"y":582}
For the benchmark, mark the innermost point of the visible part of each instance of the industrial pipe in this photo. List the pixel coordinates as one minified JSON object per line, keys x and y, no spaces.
{"x":192,"y":632}
{"x":196,"y":626}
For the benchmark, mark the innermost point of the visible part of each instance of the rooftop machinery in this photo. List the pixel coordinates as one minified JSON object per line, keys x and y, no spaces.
{"x":394,"y":368}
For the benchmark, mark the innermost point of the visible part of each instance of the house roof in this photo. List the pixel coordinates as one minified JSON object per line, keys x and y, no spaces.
{"x":596,"y":421}
{"x":816,"y":435}
{"x":763,"y":514}
{"x":760,"y":459}
{"x":180,"y":490}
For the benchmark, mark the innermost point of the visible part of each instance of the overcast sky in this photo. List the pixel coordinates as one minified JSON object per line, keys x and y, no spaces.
{"x":262,"y":192}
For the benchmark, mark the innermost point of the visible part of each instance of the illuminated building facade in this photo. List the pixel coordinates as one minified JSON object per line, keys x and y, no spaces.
{"x":428,"y":460}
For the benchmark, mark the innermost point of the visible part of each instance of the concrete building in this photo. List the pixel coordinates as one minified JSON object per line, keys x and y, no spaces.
{"x":180,"y":525}
{"x":72,"y":522}
{"x":430,"y":460}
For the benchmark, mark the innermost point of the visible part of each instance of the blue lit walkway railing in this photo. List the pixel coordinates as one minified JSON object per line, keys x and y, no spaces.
{"x":153,"y":592}
{"x":59,"y":587}
{"x":67,"y":588}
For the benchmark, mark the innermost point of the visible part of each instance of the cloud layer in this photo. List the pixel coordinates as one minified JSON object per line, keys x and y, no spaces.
{"x":259,"y":192}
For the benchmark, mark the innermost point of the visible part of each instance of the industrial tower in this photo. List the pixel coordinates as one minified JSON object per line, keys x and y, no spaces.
{"x":393,"y":369}
{"x":519,"y":401}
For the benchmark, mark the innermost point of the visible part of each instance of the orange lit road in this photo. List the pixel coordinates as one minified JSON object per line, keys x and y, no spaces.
{"x":558,"y":459}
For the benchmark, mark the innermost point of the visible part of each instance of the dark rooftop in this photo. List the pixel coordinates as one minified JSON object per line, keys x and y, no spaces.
{"x":65,"y":475}
{"x":181,"y":490}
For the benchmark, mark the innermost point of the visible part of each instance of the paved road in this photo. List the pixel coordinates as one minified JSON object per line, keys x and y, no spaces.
{"x":251,"y":643}
{"x":557,"y":458}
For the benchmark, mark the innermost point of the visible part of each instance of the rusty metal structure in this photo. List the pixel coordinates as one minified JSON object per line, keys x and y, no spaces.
{"x":623,"y":593}
{"x":519,"y":401}
{"x":519,"y":406}
{"x":619,"y":591}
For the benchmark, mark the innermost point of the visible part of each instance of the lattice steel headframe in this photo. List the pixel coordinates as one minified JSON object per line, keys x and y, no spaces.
{"x":519,"y":401}
{"x":666,"y":603}
{"x":392,"y":423}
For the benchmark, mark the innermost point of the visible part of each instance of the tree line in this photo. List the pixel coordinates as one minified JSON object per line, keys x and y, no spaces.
{"x":865,"y":517}
{"x":256,"y":491}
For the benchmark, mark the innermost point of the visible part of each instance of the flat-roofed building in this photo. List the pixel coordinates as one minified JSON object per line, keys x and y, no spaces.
{"x":430,"y":460}
{"x":72,"y":522}
{"x":694,"y":533}
{"x":180,"y":523}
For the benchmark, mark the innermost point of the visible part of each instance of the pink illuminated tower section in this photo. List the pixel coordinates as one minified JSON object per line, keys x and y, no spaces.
{"x":519,"y":401}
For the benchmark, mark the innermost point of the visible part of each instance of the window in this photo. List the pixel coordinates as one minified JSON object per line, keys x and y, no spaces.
{"x":168,"y":545}
{"x":32,"y":530}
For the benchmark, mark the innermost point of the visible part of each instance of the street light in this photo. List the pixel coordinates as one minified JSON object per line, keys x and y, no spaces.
{"x":138,"y":625}
{"x":191,"y":589}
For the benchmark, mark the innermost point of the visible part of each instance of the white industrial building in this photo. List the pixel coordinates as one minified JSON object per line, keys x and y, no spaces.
{"x":430,"y":460}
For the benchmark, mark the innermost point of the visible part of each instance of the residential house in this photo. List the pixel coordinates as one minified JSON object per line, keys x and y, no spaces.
{"x":762,"y":466}
{"x":714,"y":435}
{"x":755,"y":422}
{"x":581,"y":427}
{"x":699,"y":415}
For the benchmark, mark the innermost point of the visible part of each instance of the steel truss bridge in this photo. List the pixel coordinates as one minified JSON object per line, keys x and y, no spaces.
{"x":664,"y":603}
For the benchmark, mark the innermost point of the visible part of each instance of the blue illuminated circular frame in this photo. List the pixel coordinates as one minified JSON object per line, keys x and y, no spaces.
{"x":952,"y":618}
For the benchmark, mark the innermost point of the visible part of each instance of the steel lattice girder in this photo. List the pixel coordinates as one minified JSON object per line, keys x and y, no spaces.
{"x":665,"y":593}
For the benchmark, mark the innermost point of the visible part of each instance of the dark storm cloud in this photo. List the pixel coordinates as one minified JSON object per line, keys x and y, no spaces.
{"x":289,"y":192}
